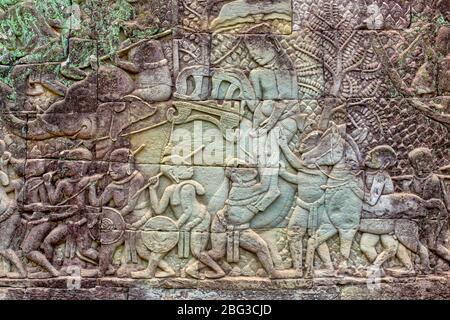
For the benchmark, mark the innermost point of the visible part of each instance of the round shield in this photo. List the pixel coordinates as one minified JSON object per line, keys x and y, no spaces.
{"x":160,"y":234}
{"x":111,"y":226}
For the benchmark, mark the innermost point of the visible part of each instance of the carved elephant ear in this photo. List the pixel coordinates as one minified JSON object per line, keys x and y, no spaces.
{"x":113,"y":84}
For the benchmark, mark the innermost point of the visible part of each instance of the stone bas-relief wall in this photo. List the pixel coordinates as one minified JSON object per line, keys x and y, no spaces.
{"x":224,"y":149}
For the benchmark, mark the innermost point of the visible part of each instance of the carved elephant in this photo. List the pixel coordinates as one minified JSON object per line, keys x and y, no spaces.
{"x":77,"y":114}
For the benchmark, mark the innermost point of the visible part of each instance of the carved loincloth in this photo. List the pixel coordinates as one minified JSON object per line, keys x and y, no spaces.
{"x":313,"y":212}
{"x":129,"y":250}
{"x":233,"y":236}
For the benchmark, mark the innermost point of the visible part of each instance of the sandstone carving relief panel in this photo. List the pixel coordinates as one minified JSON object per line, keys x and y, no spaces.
{"x":262,"y":140}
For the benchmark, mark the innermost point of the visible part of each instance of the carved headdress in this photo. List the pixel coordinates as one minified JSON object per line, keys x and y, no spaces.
{"x":420,"y":153}
{"x":123,"y":155}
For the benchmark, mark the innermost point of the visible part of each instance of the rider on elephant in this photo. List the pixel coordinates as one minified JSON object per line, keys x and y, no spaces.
{"x":32,"y":41}
{"x":30,"y":37}
{"x":276,"y":92}
{"x":95,"y":34}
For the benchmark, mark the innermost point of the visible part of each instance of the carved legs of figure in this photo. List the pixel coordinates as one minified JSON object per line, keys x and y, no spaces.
{"x":407,"y":233}
{"x":297,"y":229}
{"x":84,"y":244}
{"x":154,"y":261}
{"x":199,"y":241}
{"x":7,"y":229}
{"x":105,"y":257}
{"x":322,"y":234}
{"x":368,"y":244}
{"x":32,"y":242}
{"x":11,"y":256}
{"x":436,"y":237}
{"x":55,"y":237}
{"x":248,"y":240}
{"x":391,"y":248}
{"x":251,"y":241}
{"x":151,"y":271}
{"x":424,"y":257}
{"x":218,"y":250}
{"x":405,"y":259}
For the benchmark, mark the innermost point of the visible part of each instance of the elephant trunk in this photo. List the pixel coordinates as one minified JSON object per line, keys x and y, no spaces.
{"x":18,"y":126}
{"x":43,"y":127}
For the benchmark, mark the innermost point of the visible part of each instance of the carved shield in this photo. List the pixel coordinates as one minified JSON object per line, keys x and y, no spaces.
{"x":111,"y":226}
{"x":160,"y":234}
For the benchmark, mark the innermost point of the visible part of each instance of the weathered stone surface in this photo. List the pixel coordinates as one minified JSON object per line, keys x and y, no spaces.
{"x":242,"y":15}
{"x":34,"y":31}
{"x":351,"y":14}
{"x":184,"y":289}
{"x":237,"y":149}
{"x":239,"y":16}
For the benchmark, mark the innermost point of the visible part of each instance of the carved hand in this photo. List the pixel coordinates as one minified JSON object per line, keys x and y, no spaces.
{"x":97,"y":176}
{"x":48,"y":176}
{"x":282,"y":167}
{"x":154,"y":182}
{"x":266,"y":125}
{"x":131,"y":227}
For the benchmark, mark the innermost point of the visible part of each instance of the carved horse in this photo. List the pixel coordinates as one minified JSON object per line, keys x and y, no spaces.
{"x":344,"y":192}
{"x":400,"y":214}
{"x":397,"y":213}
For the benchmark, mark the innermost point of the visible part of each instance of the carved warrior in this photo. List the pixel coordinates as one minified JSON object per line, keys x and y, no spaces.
{"x":10,"y":215}
{"x":355,"y":184}
{"x":230,"y":228}
{"x":193,"y":219}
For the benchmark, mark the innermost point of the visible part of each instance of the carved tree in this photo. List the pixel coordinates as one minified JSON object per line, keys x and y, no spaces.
{"x":423,"y":81}
{"x":304,"y":50}
{"x":351,"y":66}
{"x":397,"y":124}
